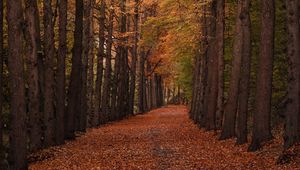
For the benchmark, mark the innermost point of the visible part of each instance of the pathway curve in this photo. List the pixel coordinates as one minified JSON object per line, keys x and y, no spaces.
{"x":162,"y":139}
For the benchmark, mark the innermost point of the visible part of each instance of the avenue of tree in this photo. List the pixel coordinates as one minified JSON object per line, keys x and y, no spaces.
{"x":66,"y":66}
{"x":70,"y":65}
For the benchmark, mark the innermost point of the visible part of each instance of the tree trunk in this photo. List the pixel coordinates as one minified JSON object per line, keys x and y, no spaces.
{"x":230,"y":110}
{"x":203,"y":72}
{"x":49,"y":74}
{"x":262,"y":111}
{"x":292,"y":114}
{"x":91,"y":58}
{"x":134,"y":58}
{"x":196,"y":87}
{"x":244,"y":88}
{"x":212,"y":88}
{"x":87,"y":50}
{"x":116,"y":81}
{"x":123,"y":65}
{"x":107,"y":75}
{"x":61,"y":75}
{"x":220,"y":46}
{"x":2,"y":153}
{"x":75,"y":80}
{"x":98,"y":114}
{"x":141,"y":82}
{"x":18,"y":146}
{"x":35,"y":134}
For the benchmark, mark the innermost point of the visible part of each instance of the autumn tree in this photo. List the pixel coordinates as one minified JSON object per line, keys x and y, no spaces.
{"x":98,"y":114}
{"x":292,"y":114}
{"x":134,"y":53}
{"x":220,"y":28}
{"x":73,"y":108}
{"x":49,"y":51}
{"x":87,"y":51}
{"x":108,"y":68}
{"x":18,"y":146}
{"x":212,"y":87}
{"x":2,"y":154}
{"x":122,"y":82}
{"x":244,"y":87}
{"x":237,"y":104}
{"x":262,"y":111}
{"x":32,"y":35}
{"x":60,"y":75}
{"x":91,"y":60}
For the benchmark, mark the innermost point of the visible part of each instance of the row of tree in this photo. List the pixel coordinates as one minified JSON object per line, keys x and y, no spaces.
{"x":62,"y":83}
{"x":207,"y":105}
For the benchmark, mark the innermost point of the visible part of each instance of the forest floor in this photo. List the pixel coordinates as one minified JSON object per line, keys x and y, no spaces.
{"x":161,"y":139}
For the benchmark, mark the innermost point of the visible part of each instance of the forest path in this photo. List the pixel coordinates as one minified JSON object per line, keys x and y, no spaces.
{"x":161,"y":139}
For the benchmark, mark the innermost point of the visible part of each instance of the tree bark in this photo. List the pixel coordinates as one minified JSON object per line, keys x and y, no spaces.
{"x":134,"y":58}
{"x":87,"y":40}
{"x":2,"y":153}
{"x":141,"y":82}
{"x":49,"y":74}
{"x":98,"y":114}
{"x":61,"y":73}
{"x":107,"y":75}
{"x":230,"y":110}
{"x":31,"y":35}
{"x":262,"y":110}
{"x":244,"y":88}
{"x":91,"y":59}
{"x":123,"y":65}
{"x":75,"y":80}
{"x":220,"y":46}
{"x":201,"y":97}
{"x":212,"y":88}
{"x":292,"y":114}
{"x":18,"y":147}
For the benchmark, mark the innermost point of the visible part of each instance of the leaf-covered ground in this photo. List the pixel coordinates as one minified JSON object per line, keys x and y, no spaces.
{"x":162,"y":139}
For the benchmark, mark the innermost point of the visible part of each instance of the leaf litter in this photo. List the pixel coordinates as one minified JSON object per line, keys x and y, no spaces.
{"x":162,"y":139}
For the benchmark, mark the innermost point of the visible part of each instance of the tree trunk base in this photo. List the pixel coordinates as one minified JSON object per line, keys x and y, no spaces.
{"x":225,"y":136}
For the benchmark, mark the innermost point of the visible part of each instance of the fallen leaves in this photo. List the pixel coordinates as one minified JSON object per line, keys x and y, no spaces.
{"x":162,"y":139}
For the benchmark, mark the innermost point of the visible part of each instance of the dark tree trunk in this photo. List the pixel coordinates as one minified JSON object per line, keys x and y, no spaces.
{"x":98,"y":114}
{"x":201,"y":97}
{"x":262,"y":111}
{"x":35,"y":134}
{"x":212,"y":88}
{"x":107,"y":75}
{"x":153,"y":91}
{"x":220,"y":46}
{"x":61,"y":75}
{"x":244,"y":81}
{"x":91,"y":58}
{"x":40,"y":59}
{"x":116,"y":81}
{"x":134,"y":58}
{"x":49,"y":49}
{"x":145,"y":108}
{"x":87,"y":51}
{"x":18,"y":146}
{"x":75,"y":80}
{"x":196,"y":88}
{"x":150,"y":87}
{"x":230,"y":110}
{"x":123,"y":65}
{"x":2,"y":154}
{"x":292,"y":114}
{"x":141,"y":82}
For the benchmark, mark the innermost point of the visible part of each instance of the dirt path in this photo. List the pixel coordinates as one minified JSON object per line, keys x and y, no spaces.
{"x":162,"y":139}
